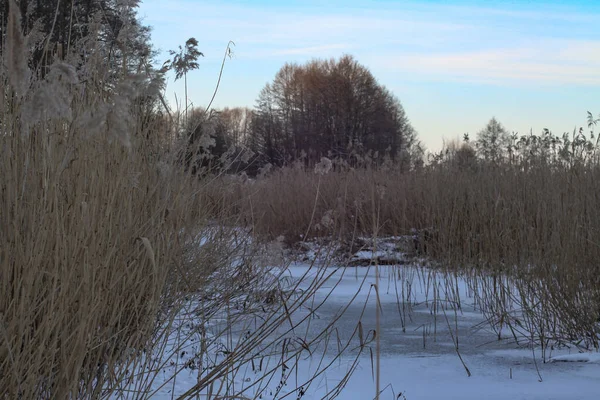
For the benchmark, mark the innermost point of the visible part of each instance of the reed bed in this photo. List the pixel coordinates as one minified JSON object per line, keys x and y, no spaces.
{"x":108,"y":245}
{"x":106,"y":241}
{"x":538,"y":225}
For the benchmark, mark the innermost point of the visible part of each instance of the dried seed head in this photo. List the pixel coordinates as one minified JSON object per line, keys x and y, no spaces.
{"x":381,"y":190}
{"x":327,"y":220}
{"x":324,"y":166}
{"x":92,"y":121}
{"x":247,"y":155}
{"x":120,"y":121}
{"x":16,"y":52}
{"x":50,"y":98}
{"x":265,"y":169}
{"x":206,"y":141}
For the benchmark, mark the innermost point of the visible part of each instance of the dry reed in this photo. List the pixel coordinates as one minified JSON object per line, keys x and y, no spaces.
{"x":108,"y":246}
{"x":539,"y":225}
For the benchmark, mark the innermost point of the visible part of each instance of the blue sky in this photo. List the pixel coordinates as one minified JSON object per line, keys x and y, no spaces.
{"x":453,"y":64}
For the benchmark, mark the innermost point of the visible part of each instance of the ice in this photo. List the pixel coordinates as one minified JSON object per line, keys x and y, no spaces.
{"x":421,"y":336}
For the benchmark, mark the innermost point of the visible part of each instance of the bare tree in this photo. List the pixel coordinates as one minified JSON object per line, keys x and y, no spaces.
{"x":332,"y":108}
{"x":493,"y":141}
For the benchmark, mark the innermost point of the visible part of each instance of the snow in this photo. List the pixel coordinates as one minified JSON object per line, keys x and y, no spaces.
{"x":420,"y":333}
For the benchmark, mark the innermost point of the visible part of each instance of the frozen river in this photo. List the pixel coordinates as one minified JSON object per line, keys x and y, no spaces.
{"x":421,"y":329}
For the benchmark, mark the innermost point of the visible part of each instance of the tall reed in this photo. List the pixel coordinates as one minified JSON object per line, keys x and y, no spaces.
{"x":538,"y":224}
{"x":93,"y":217}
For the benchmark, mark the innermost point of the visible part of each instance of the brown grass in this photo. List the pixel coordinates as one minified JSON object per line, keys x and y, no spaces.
{"x":104,"y":239}
{"x":88,"y":229}
{"x":96,"y":220}
{"x":539,"y":225}
{"x":108,"y":248}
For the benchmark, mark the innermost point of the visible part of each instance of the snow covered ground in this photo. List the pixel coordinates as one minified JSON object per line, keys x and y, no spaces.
{"x":421,"y":340}
{"x":422,"y":363}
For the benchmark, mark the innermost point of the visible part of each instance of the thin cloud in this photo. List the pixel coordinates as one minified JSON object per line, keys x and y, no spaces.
{"x":314,"y":50}
{"x":536,"y":12}
{"x":426,"y":52}
{"x":431,"y":41}
{"x":559,"y":62}
{"x":284,"y":29}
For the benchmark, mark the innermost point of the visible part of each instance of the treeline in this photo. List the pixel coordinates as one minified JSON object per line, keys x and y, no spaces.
{"x":325,"y":108}
{"x":100,"y":47}
{"x":77,"y":30}
{"x":328,"y":108}
{"x":336,"y":109}
{"x":496,"y":147}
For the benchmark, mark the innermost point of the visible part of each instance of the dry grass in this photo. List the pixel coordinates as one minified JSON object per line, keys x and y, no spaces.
{"x":539,"y":225}
{"x":105,"y":241}
{"x":89,"y":227}
{"x":96,"y":224}
{"x":108,"y":247}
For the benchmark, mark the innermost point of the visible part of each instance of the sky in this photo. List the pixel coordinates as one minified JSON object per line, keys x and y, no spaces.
{"x":453,"y":64}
